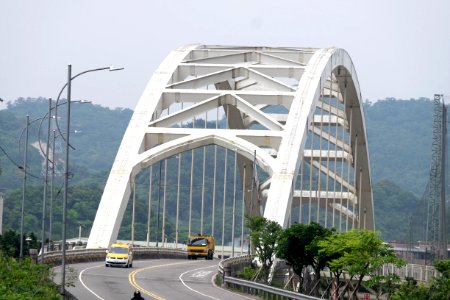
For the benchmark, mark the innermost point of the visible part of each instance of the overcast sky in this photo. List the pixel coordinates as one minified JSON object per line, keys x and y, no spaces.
{"x":400,"y":48}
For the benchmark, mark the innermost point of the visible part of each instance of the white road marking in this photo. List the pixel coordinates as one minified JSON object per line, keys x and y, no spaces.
{"x":180,"y":277}
{"x":85,"y":286}
{"x":201,"y":274}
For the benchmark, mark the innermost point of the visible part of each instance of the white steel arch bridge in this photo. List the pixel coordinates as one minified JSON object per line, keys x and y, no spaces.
{"x":286,"y":125}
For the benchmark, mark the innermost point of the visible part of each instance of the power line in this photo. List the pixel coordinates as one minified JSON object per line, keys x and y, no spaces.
{"x":16,"y":164}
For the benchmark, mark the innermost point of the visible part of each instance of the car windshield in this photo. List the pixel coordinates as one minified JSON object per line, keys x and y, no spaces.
{"x":199,"y":242}
{"x":118,"y":250}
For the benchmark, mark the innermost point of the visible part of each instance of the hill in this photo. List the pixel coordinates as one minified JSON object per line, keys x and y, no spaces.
{"x":399,"y":137}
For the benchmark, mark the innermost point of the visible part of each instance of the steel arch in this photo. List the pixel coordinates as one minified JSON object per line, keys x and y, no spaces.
{"x":244,"y":82}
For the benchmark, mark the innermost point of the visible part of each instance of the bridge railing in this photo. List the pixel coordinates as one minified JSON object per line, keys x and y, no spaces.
{"x":264,"y":291}
{"x":86,"y":255}
{"x":418,"y":272}
{"x":229,"y":268}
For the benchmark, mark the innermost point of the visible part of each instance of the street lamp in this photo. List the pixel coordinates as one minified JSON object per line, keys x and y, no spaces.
{"x":25,"y":173}
{"x":45,"y":182}
{"x":24,"y":188}
{"x":66,"y":168}
{"x":47,"y":159}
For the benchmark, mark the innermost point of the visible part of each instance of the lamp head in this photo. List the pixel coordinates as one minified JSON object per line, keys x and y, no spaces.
{"x":112,"y":68}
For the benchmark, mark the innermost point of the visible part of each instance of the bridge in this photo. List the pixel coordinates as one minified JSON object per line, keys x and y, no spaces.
{"x":221,"y":132}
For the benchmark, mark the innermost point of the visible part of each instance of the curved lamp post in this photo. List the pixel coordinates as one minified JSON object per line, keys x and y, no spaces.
{"x":25,"y":173}
{"x":66,"y":168}
{"x":24,"y":189}
{"x":47,"y":160}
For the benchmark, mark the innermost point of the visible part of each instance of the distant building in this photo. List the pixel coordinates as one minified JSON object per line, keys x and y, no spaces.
{"x":418,"y":253}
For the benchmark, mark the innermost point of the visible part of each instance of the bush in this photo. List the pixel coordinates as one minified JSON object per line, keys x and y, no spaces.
{"x":23,"y":279}
{"x":248,"y":273}
{"x":218,"y":280}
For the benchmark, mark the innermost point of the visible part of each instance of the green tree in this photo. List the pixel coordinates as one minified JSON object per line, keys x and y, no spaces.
{"x":298,"y":245}
{"x":264,"y":236}
{"x":437,"y":289}
{"x":411,"y":290}
{"x":361,"y":253}
{"x":10,"y":243}
{"x":440,"y":286}
{"x":26,"y":280}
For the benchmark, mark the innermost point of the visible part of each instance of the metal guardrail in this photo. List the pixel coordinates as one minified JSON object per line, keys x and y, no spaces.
{"x":228,"y":268}
{"x":263,"y":290}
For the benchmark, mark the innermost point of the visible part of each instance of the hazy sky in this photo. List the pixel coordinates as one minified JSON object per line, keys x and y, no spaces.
{"x":400,"y":48}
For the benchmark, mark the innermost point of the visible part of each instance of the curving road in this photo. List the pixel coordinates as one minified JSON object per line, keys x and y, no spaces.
{"x":155,"y":278}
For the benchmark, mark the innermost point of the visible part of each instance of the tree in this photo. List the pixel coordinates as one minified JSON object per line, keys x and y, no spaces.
{"x":440,"y":286}
{"x":10,"y":243}
{"x":436,"y":289}
{"x":26,"y":280}
{"x":360,"y":253}
{"x":298,"y":245}
{"x":264,"y":236}
{"x":411,"y":290}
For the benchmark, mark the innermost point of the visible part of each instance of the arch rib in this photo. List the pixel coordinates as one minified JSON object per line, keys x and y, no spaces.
{"x":271,"y":101}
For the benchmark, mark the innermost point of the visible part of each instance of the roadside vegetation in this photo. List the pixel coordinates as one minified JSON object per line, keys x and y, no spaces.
{"x":23,"y":278}
{"x":310,"y":249}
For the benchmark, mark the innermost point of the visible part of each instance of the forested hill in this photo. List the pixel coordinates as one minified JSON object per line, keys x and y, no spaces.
{"x":96,"y":133}
{"x":399,"y":136}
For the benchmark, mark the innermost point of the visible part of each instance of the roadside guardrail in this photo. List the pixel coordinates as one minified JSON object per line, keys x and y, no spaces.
{"x":229,"y":267}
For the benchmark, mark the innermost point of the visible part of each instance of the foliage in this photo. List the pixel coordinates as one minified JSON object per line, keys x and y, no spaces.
{"x":400,"y":138}
{"x":298,"y":245}
{"x":436,"y":289}
{"x":440,"y":286}
{"x":218,"y":280}
{"x":248,"y":273}
{"x":397,"y":206}
{"x":360,"y":253}
{"x":26,"y":280}
{"x":10,"y":243}
{"x":411,"y":290}
{"x":264,"y":236}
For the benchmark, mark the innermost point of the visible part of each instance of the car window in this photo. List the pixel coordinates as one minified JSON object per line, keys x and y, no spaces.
{"x":118,"y":250}
{"x":199,"y":242}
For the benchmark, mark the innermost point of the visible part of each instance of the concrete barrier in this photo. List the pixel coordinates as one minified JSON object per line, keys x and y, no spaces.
{"x":87,"y":255}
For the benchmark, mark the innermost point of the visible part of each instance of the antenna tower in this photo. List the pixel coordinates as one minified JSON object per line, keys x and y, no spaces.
{"x":436,"y":220}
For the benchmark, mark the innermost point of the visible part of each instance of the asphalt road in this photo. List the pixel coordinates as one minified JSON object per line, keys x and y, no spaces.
{"x":155,"y":279}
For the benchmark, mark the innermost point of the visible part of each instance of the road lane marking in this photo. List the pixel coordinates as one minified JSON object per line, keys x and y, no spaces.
{"x":201,"y":274}
{"x":85,"y":286}
{"x":132,"y":278}
{"x":181,"y":279}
